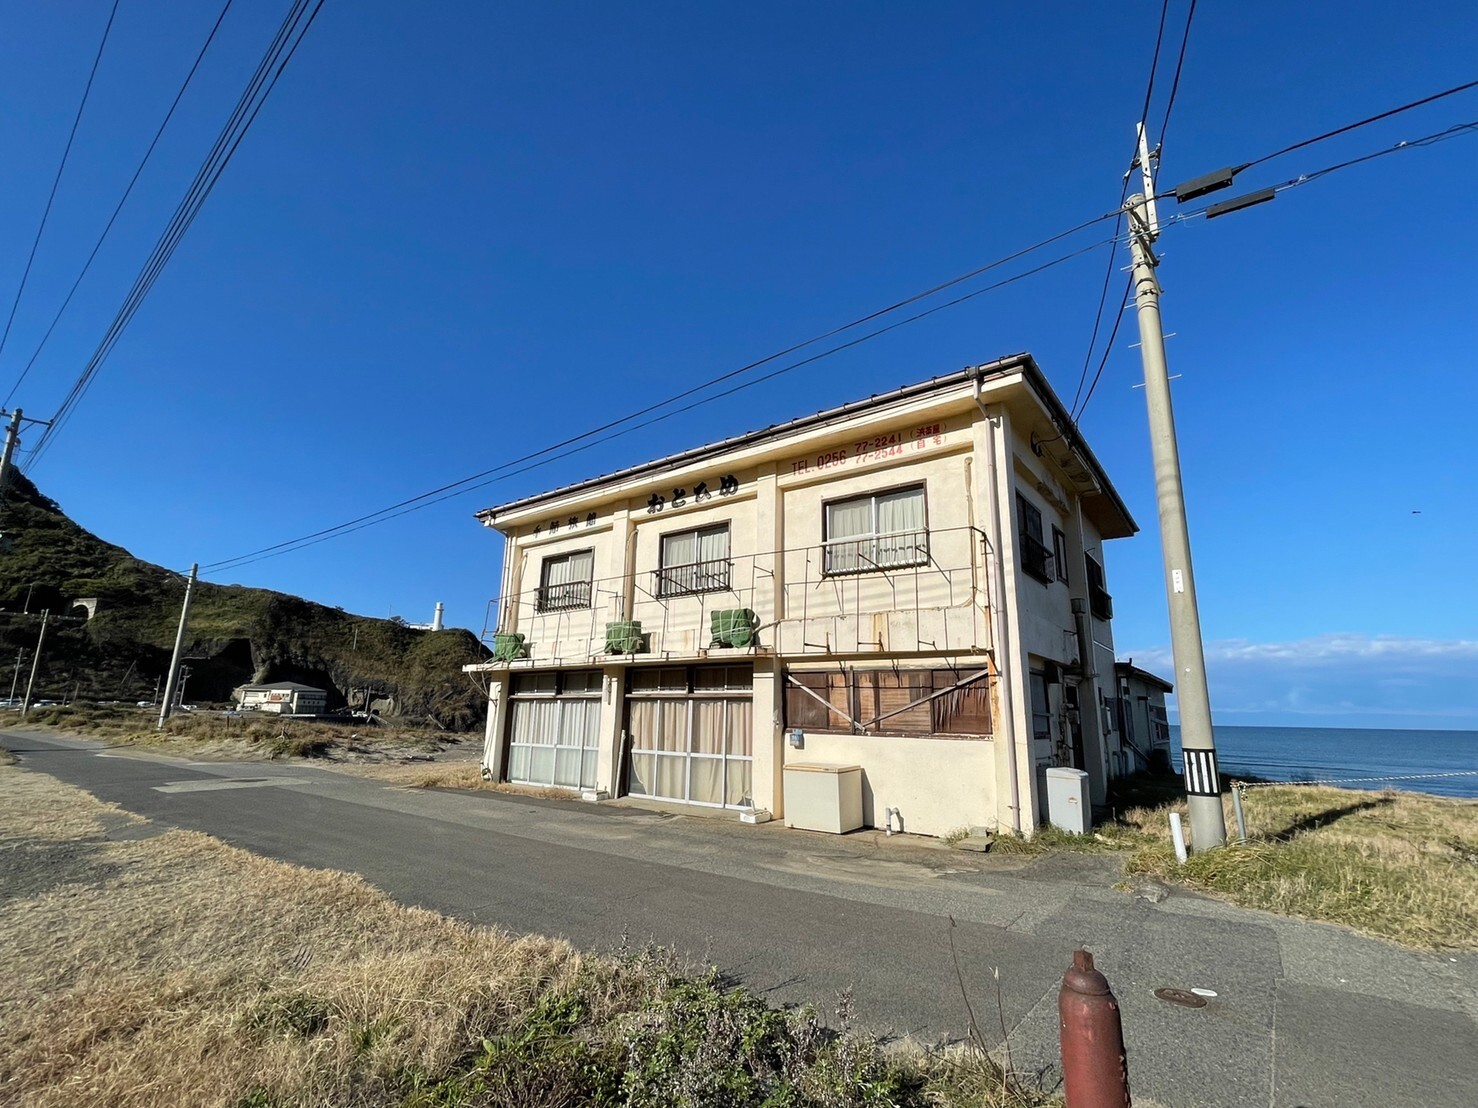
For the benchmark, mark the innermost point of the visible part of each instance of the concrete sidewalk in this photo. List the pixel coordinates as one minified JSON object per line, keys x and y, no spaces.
{"x":1305,"y":1014}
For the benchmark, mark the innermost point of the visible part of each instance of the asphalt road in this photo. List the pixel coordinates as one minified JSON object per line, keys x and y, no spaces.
{"x":1305,"y":1014}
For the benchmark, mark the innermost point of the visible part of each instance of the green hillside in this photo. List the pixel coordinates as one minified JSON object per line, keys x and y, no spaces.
{"x":237,"y":634}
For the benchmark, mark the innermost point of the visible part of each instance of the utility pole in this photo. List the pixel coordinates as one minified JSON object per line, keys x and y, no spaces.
{"x":15,"y":675}
{"x":1198,"y":745}
{"x":12,"y":436}
{"x":179,"y":647}
{"x":35,"y":664}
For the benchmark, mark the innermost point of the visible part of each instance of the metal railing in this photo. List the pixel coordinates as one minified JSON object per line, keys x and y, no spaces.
{"x":1036,"y":558}
{"x":871,"y":553}
{"x":563,"y":597}
{"x":908,"y":573}
{"x":693,"y":577}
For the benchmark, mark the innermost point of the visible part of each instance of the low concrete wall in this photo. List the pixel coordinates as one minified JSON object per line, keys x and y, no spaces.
{"x":939,"y":785}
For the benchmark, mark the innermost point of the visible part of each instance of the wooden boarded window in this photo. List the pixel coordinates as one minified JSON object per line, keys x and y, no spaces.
{"x":964,"y":710}
{"x":904,"y":699}
{"x":803,"y":710}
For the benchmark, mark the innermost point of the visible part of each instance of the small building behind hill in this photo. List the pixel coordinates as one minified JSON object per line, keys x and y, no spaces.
{"x":286,"y":698}
{"x":1144,"y":728}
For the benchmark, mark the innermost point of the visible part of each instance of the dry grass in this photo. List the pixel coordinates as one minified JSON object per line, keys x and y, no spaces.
{"x":247,"y":737}
{"x":175,"y":970}
{"x":1398,"y":865}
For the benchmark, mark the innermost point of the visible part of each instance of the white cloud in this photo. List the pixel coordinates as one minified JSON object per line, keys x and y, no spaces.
{"x":1339,"y":679}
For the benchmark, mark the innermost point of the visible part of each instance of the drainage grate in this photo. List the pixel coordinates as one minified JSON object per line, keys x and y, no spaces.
{"x":1181,"y":997}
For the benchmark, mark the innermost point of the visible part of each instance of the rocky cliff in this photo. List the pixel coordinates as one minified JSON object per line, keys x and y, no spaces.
{"x":117,"y":644}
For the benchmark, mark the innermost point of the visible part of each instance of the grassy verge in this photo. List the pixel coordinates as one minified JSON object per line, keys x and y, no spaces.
{"x":247,"y":736}
{"x":1397,"y":865}
{"x":175,"y":970}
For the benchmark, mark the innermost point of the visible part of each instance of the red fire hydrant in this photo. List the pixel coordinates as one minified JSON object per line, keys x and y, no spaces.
{"x":1095,"y":1070}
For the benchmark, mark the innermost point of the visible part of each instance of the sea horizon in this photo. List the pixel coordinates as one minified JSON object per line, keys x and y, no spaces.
{"x":1442,"y":761}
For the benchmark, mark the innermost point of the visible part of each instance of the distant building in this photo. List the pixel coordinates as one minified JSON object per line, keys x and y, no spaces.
{"x":910,"y":586}
{"x":286,"y":698}
{"x":1144,"y":729}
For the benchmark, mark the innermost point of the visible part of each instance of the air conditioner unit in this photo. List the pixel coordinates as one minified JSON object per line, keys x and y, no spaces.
{"x":734,"y":627}
{"x":624,"y":637}
{"x":508,"y":647}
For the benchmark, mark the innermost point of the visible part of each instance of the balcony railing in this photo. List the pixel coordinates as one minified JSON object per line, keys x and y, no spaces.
{"x":875,"y":552}
{"x":1101,"y":602}
{"x":563,"y":598}
{"x":694,"y":577}
{"x":1036,"y":558}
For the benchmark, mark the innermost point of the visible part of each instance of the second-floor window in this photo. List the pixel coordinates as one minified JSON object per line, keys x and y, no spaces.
{"x":1098,"y":595}
{"x":884,"y":530}
{"x":1036,"y":558}
{"x":694,"y":561}
{"x":565,"y":581}
{"x":1059,"y":554}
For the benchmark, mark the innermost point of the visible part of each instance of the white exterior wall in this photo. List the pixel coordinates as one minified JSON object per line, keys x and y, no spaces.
{"x":937,"y":785}
{"x":772,"y":495}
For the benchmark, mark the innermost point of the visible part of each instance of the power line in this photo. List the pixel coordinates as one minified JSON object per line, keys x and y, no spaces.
{"x":121,"y":201}
{"x":587,"y":440}
{"x":705,"y":385}
{"x":1144,"y":113}
{"x":1360,"y":123}
{"x":57,"y":180}
{"x":1108,"y":348}
{"x":279,"y":53}
{"x":1185,"y":39}
{"x":1454,"y":131}
{"x":1149,"y":89}
{"x":447,"y":492}
{"x":1222,"y":178}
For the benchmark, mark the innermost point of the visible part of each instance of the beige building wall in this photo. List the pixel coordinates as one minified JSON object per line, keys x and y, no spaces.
{"x":968,"y":605}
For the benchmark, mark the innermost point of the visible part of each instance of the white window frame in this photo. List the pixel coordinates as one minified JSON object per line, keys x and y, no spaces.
{"x":870,"y":552}
{"x":692,"y":578}
{"x":542,"y":601}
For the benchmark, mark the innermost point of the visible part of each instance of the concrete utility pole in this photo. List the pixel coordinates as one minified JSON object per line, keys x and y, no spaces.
{"x":12,"y":436}
{"x":1198,"y":746}
{"x":35,"y":664}
{"x":179,"y":648}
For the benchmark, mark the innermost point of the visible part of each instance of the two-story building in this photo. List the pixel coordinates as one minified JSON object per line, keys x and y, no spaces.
{"x":911,"y":583}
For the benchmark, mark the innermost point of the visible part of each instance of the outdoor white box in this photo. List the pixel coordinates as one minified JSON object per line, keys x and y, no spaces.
{"x":821,"y":797}
{"x":1067,"y":800}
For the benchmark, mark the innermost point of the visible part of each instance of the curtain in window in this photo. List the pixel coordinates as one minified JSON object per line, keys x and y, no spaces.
{"x":680,"y":550}
{"x":849,"y":526}
{"x":900,"y":527}
{"x":850,"y":519}
{"x":645,"y":723}
{"x":713,"y":545}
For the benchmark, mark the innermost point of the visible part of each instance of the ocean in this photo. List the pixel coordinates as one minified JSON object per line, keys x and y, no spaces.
{"x":1327,"y":753}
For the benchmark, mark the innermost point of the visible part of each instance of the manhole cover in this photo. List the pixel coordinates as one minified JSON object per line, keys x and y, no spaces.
{"x":1182,"y":997}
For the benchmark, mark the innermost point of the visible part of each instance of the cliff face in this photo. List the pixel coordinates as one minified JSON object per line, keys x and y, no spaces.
{"x":237,"y":634}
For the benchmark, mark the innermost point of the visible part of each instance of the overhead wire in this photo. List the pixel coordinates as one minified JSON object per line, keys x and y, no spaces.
{"x":532,"y":461}
{"x":122,"y":200}
{"x":57,"y":180}
{"x":1457,"y":130}
{"x":416,"y":504}
{"x":1077,"y":409}
{"x":289,"y":37}
{"x":1185,"y":40}
{"x":1294,"y":182}
{"x":1108,"y":271}
{"x":1359,"y":123}
{"x":720,"y":379}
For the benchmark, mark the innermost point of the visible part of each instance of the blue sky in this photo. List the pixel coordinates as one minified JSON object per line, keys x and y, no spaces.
{"x":460,"y":231}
